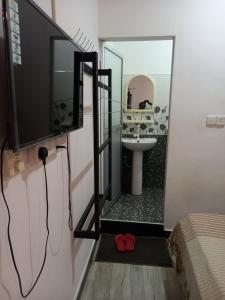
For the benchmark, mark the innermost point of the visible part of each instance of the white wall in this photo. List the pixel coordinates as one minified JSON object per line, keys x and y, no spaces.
{"x":74,"y":14}
{"x":196,"y":160}
{"x":45,"y":5}
{"x":67,"y":258}
{"x":149,"y":57}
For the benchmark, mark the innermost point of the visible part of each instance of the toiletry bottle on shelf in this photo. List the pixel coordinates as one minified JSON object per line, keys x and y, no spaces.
{"x":129,"y":99}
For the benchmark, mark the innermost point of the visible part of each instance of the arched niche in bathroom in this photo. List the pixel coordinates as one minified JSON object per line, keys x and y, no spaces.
{"x":139,"y":92}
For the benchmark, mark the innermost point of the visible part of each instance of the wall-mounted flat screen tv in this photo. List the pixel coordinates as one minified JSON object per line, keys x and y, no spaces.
{"x":42,"y":71}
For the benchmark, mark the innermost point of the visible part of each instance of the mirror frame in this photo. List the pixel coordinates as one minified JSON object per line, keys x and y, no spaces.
{"x":152,"y":80}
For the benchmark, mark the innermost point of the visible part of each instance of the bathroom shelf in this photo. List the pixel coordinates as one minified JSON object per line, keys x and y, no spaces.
{"x":138,"y":122}
{"x":130,"y":111}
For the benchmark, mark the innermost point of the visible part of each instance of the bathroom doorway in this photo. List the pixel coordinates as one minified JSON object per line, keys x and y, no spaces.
{"x":145,"y":101}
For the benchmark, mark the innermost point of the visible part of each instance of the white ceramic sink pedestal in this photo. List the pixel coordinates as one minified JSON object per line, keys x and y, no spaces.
{"x":138,"y":146}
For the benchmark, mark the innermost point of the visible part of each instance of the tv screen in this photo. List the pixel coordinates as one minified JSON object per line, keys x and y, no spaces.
{"x":45,"y":100}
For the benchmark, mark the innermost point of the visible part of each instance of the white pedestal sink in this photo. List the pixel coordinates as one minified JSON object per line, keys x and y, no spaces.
{"x":138,"y":146}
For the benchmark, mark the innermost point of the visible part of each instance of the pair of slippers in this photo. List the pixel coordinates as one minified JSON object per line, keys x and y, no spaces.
{"x":125,"y":242}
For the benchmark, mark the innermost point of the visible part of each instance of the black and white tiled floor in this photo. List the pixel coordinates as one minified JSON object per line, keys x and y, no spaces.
{"x":148,"y":207}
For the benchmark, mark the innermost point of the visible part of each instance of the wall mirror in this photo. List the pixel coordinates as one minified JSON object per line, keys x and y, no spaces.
{"x":139,"y":93}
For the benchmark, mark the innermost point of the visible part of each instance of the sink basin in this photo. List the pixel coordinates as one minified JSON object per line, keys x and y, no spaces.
{"x":138,"y":146}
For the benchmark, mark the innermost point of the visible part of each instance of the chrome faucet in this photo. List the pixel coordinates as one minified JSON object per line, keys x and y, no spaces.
{"x":138,"y":131}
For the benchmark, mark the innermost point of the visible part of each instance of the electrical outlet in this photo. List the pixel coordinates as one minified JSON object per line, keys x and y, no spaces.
{"x":13,"y":163}
{"x":211,"y":120}
{"x":19,"y":165}
{"x":52,"y":151}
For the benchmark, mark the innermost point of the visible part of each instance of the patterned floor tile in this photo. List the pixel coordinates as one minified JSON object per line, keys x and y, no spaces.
{"x":148,"y":207}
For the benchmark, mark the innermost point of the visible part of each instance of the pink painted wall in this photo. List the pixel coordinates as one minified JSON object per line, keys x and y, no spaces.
{"x":67,"y":258}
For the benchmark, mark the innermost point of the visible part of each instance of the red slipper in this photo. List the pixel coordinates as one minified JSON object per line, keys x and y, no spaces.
{"x":120,"y":242}
{"x":130,"y":242}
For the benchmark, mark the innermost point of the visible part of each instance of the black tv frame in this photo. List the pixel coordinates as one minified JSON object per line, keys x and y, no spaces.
{"x":13,"y":138}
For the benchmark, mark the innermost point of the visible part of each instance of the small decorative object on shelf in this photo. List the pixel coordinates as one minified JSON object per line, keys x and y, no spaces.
{"x":125,"y":126}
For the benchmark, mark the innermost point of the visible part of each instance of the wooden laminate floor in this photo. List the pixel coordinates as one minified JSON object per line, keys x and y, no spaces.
{"x":112,"y":281}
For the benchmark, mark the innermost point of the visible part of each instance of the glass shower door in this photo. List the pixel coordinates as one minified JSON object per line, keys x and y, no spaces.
{"x":114,"y":62}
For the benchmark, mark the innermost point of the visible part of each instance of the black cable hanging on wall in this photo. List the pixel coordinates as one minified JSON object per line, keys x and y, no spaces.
{"x":70,"y":221}
{"x":23,"y":294}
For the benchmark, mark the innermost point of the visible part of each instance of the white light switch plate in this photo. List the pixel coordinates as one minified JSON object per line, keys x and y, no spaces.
{"x":220,"y":120}
{"x":211,"y":120}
